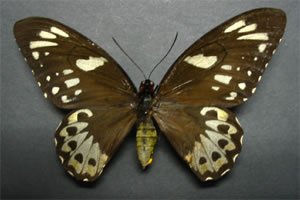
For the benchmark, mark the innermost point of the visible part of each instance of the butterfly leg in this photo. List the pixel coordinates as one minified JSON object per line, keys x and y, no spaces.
{"x":146,"y":139}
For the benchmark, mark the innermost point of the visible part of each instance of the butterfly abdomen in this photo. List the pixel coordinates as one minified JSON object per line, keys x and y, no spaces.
{"x":146,"y":138}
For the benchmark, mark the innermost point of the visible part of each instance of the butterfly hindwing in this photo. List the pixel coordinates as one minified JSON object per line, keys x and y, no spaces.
{"x":224,"y":66}
{"x":208,"y":138}
{"x":71,"y":70}
{"x":87,"y":138}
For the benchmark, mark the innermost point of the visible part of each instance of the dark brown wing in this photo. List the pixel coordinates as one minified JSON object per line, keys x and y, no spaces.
{"x":224,"y":66}
{"x":209,"y":139}
{"x":87,"y":138}
{"x":71,"y":70}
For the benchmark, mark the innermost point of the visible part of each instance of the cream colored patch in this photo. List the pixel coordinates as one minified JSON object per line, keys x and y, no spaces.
{"x":210,"y":147}
{"x":242,"y":86}
{"x":74,"y":116}
{"x":72,"y":82}
{"x":232,"y":96}
{"x":262,"y":47}
{"x":47,"y":35}
{"x":94,"y":153}
{"x":235,"y":26}
{"x":102,"y":162}
{"x":58,"y":31}
{"x":40,"y":44}
{"x":201,"y":61}
{"x":199,"y":152}
{"x":249,"y":28}
{"x":78,"y":138}
{"x":213,"y":124}
{"x":226,"y":67}
{"x":91,"y":63}
{"x":188,"y":157}
{"x":221,"y":114}
{"x":83,"y":150}
{"x":35,"y":55}
{"x":245,"y":99}
{"x":216,"y":136}
{"x":55,"y":90}
{"x":67,"y":71}
{"x":79,"y":127}
{"x":223,"y":78}
{"x":216,"y":88}
{"x":254,"y":36}
{"x":78,"y":92}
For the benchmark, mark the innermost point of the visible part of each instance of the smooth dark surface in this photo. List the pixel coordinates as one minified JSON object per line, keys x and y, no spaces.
{"x":268,"y":166}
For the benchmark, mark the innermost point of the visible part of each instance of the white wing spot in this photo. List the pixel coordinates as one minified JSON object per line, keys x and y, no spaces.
{"x":208,"y":178}
{"x":32,"y":72}
{"x":201,"y":61}
{"x":238,"y":69}
{"x":48,"y":78}
{"x":266,"y":65}
{"x":235,"y":26}
{"x":41,"y":65}
{"x":39,"y":44}
{"x":67,"y":71}
{"x":35,"y":55}
{"x":55,"y":90}
{"x":248,"y":28}
{"x":91,"y":63}
{"x":243,"y":57}
{"x":234,"y":157}
{"x":249,"y":73}
{"x":45,"y":95}
{"x":216,"y":88}
{"x":254,"y":36}
{"x":232,"y":96}
{"x":56,"y":74}
{"x":72,"y":82}
{"x":39,"y":84}
{"x":253,"y":90}
{"x":226,"y":67}
{"x":46,"y":53}
{"x":259,"y":78}
{"x":255,"y":58}
{"x":223,"y":78}
{"x":274,"y":51}
{"x":227,"y":170}
{"x":58,"y":31}
{"x":65,"y":99}
{"x":241,"y":140}
{"x":47,"y":35}
{"x":242,"y":86}
{"x":262,"y":47}
{"x":77,"y":92}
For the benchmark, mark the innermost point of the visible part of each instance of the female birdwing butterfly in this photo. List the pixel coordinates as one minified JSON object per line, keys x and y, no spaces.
{"x":218,"y":71}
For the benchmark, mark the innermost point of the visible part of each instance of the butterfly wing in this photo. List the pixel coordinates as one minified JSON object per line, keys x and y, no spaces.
{"x":209,"y":139}
{"x":219,"y":70}
{"x":224,"y":66}
{"x":87,"y":138}
{"x":74,"y":73}
{"x":71,"y":70}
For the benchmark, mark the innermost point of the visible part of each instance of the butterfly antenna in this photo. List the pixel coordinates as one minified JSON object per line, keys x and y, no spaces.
{"x":164,"y":55}
{"x":129,"y":57}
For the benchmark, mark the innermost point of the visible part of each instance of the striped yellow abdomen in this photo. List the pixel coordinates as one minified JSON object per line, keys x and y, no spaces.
{"x":146,"y":139}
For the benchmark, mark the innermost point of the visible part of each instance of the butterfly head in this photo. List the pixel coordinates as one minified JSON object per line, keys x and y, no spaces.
{"x":147,"y":86}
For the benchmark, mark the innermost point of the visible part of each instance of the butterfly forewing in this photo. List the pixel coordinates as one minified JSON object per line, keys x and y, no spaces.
{"x":224,"y":66}
{"x":209,"y":139}
{"x":87,"y":138}
{"x":71,"y":70}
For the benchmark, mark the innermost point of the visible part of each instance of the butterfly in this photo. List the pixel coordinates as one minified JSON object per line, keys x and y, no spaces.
{"x":190,"y":106}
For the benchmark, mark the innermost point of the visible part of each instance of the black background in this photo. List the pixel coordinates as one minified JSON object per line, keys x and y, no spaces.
{"x":268,"y":166}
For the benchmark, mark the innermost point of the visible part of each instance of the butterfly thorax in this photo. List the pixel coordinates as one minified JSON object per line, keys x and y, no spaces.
{"x":146,"y":136}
